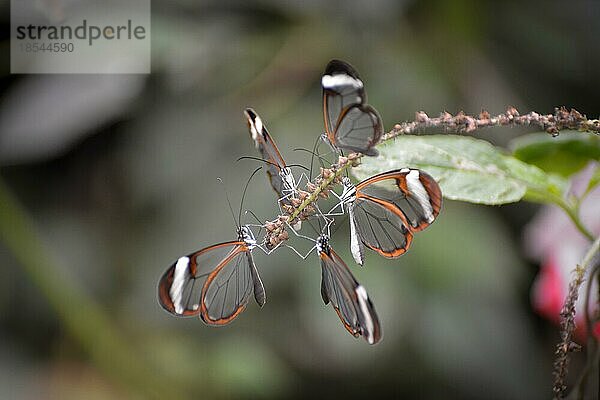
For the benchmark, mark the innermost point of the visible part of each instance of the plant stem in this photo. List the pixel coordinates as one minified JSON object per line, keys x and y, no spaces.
{"x":568,"y":321}
{"x":592,"y":350}
{"x":572,"y":213}
{"x":85,"y":320}
{"x":313,"y":196}
{"x":463,"y":123}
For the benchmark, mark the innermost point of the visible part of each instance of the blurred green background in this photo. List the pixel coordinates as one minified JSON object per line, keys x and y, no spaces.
{"x":118,"y":176}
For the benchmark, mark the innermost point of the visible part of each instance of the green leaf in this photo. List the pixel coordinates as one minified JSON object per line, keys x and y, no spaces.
{"x":466,"y":168}
{"x":564,"y":155}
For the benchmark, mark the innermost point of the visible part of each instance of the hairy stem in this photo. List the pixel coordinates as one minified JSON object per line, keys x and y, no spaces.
{"x":592,"y":350}
{"x":463,"y":123}
{"x":324,"y":184}
{"x":567,"y":314}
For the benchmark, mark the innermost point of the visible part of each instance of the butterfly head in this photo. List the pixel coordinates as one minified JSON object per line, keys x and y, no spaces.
{"x":285,"y":172}
{"x":245,"y":235}
{"x":323,"y":244}
{"x":288,"y":178}
{"x":349,"y":193}
{"x":347,"y":182}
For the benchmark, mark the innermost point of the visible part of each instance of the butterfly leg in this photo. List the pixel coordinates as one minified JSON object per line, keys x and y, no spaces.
{"x":302,"y":256}
{"x":260,"y":228}
{"x":340,"y":204}
{"x":298,"y":234}
{"x":302,"y":176}
{"x":320,"y":214}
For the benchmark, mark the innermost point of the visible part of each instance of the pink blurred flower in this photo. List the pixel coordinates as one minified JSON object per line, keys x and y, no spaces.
{"x":553,"y":240}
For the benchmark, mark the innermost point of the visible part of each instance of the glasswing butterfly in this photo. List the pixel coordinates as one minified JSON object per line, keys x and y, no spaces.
{"x":386,"y":209}
{"x":280,"y":175}
{"x":348,"y":298}
{"x":350,"y":123}
{"x":217,"y":281}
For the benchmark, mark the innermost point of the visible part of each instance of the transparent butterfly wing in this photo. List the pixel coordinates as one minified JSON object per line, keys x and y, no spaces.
{"x":268,"y":151}
{"x":412,"y":192}
{"x":215,"y":283}
{"x":228,"y":288}
{"x":349,"y":122}
{"x":359,"y":129}
{"x":348,"y":298}
{"x":341,"y":82}
{"x":380,"y":228}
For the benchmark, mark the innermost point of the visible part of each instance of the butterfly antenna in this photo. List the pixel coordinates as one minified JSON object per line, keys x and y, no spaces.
{"x":229,"y":203}
{"x":269,"y":162}
{"x":257,"y":159}
{"x":244,"y":194}
{"x":314,"y":150}
{"x":314,"y":154}
{"x":260,"y":224}
{"x":298,"y":166}
{"x":321,"y":158}
{"x":254,"y":215}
